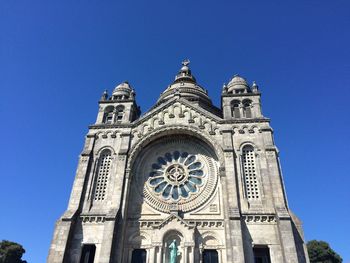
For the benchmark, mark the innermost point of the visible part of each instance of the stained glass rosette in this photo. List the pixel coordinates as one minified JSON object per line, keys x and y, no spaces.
{"x":176,"y":175}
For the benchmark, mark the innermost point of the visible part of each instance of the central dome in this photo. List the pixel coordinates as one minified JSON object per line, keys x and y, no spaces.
{"x":185,"y":85}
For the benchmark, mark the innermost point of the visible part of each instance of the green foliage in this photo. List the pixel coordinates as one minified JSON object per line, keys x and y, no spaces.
{"x":320,"y":252}
{"x":11,"y":252}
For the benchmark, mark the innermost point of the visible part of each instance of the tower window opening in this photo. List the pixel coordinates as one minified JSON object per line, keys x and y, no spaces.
{"x":249,"y":172}
{"x":235,"y":109}
{"x":108,"y":115}
{"x":119,"y":114}
{"x":247,"y":109}
{"x":103,"y":172}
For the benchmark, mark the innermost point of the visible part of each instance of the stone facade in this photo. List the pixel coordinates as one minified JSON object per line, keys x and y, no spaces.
{"x":186,"y":170}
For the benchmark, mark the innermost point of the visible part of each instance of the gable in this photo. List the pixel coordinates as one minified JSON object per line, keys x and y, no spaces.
{"x":177,"y":112}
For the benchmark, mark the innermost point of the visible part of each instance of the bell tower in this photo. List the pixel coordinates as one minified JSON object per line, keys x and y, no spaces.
{"x":120,"y":108}
{"x":239,"y":100}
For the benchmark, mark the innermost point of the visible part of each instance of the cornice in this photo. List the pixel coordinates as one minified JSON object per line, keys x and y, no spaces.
{"x":116,"y":101}
{"x":244,"y":120}
{"x":241,"y":94}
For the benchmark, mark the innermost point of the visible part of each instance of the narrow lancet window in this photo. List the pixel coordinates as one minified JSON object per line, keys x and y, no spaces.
{"x":119,"y":114}
{"x":250,"y":173}
{"x":247,"y":109}
{"x":108,"y":115}
{"x":103,"y":171}
{"x":235,"y":109}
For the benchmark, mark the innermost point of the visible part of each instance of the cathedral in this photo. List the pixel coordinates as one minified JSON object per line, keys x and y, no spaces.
{"x":185,"y":182}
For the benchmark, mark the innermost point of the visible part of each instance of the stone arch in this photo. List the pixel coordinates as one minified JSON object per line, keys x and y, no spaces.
{"x":99,"y":151}
{"x":243,"y":144}
{"x":175,"y":130}
{"x":139,"y":240}
{"x":108,"y":114}
{"x":210,"y":239}
{"x":173,"y":233}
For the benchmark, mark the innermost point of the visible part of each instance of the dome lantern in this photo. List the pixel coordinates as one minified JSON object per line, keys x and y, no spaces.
{"x":185,"y":85}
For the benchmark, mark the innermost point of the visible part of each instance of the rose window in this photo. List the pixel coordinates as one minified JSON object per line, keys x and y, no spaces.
{"x":176,"y":175}
{"x":176,"y":171}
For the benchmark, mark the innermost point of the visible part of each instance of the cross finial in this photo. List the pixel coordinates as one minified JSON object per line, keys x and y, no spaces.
{"x":186,"y":62}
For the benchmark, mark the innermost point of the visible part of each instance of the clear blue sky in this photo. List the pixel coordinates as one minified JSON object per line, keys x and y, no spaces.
{"x":57,"y":57}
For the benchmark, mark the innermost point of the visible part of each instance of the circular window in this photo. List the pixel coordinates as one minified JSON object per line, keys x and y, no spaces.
{"x":180,"y":171}
{"x":176,"y":175}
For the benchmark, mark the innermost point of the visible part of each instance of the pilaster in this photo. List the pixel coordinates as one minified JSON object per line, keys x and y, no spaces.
{"x":234,"y":238}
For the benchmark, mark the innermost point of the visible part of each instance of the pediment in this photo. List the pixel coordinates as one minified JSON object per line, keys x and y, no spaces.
{"x":177,"y":111}
{"x":173,"y":218}
{"x":171,"y":104}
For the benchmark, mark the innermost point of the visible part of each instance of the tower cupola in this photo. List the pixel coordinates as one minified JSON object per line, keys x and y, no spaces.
{"x":238,"y":85}
{"x":123,"y":92}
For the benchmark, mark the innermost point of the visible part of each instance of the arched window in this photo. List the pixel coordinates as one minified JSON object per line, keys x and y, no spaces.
{"x":249,"y":172}
{"x":235,"y":109}
{"x":119,"y":114}
{"x":108,"y":115}
{"x":247,"y":109}
{"x":103,"y":171}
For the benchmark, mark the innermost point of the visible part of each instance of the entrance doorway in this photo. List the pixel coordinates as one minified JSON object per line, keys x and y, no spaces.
{"x":139,"y":256}
{"x":261,"y":255}
{"x":88,"y":254}
{"x":210,"y":256}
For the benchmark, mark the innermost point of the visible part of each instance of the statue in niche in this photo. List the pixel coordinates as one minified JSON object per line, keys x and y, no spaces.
{"x":173,"y":253}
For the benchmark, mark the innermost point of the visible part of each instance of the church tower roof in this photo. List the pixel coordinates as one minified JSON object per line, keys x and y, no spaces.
{"x":185,"y":85}
{"x":237,"y":83}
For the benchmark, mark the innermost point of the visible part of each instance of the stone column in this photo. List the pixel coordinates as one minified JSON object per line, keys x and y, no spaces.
{"x":185,"y":254}
{"x":191,"y":254}
{"x":147,"y":255}
{"x":151,"y":254}
{"x":241,"y":111}
{"x":219,"y":250}
{"x":159,"y":254}
{"x":200,"y":256}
